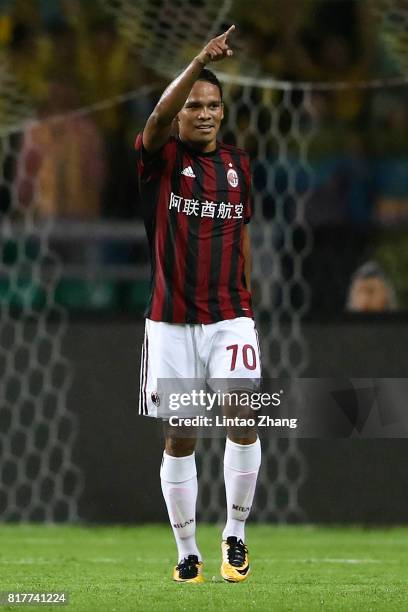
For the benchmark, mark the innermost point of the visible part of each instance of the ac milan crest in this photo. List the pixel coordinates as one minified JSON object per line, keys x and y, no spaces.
{"x":155,"y":399}
{"x":232,"y":177}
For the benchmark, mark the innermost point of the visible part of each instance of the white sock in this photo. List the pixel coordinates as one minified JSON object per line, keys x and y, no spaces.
{"x":179,"y":485}
{"x":241,"y":467}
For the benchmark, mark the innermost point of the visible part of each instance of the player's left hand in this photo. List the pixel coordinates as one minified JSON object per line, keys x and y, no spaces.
{"x":217,"y":48}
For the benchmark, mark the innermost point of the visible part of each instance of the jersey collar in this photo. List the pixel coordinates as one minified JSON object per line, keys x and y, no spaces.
{"x":193,"y":151}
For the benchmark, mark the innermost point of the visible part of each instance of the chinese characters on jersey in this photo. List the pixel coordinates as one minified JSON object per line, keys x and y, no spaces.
{"x":223,"y":210}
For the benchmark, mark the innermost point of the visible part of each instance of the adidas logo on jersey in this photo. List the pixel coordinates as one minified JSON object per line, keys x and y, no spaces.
{"x":188,"y":172}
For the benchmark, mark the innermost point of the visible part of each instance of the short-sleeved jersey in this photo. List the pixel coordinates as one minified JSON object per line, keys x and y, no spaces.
{"x":194,"y":207}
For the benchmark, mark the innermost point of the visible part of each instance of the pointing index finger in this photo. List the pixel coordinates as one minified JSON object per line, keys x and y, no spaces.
{"x":230,"y":29}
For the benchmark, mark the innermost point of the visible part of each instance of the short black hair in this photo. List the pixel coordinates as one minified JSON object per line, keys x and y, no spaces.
{"x":210,"y":77}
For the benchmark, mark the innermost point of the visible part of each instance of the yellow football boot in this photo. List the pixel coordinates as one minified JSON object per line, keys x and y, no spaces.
{"x":235,"y":560}
{"x":189,"y":570}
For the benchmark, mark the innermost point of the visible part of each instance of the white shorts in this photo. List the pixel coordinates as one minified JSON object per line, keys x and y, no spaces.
{"x":223,"y":350}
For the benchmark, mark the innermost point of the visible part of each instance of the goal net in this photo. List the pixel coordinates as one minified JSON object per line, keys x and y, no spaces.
{"x":165,"y":33}
{"x":39,"y":480}
{"x":276,"y":123}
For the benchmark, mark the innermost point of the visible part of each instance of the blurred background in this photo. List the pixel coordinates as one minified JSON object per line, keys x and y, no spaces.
{"x":317,"y":94}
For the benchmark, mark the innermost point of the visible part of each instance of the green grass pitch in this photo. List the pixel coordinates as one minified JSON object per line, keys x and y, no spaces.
{"x":129,"y":568}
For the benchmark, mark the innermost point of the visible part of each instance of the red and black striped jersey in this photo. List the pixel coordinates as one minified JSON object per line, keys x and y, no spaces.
{"x":195,"y":206}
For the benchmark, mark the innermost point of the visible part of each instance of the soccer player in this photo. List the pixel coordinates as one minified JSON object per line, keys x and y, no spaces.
{"x":199,"y":322}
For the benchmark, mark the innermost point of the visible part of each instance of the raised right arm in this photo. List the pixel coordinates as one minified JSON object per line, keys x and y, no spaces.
{"x":158,"y":126}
